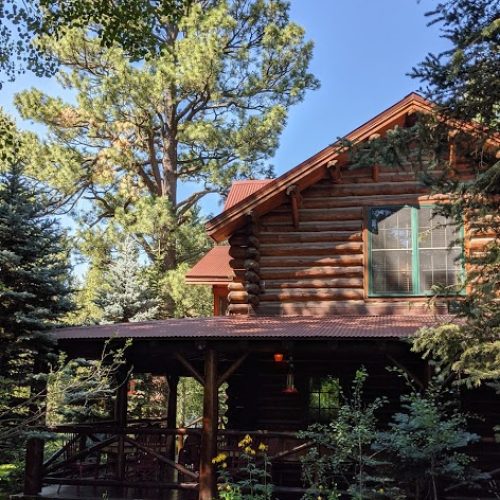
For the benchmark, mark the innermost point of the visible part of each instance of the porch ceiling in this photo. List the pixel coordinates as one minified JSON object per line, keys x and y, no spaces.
{"x":260,"y":328}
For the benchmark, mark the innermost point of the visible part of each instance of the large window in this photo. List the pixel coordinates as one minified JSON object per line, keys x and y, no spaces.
{"x":412,"y":250}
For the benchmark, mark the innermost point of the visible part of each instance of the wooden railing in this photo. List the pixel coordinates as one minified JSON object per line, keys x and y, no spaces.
{"x":138,"y":457}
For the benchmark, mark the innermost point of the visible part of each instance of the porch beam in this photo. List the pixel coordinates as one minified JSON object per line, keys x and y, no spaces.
{"x":208,"y":480}
{"x":223,"y":378}
{"x":191,"y":369}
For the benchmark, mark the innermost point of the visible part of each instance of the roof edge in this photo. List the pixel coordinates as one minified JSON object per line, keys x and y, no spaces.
{"x":216,"y":226}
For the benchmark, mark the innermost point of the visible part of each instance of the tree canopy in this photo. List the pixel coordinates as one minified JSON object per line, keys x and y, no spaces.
{"x":208,"y":108}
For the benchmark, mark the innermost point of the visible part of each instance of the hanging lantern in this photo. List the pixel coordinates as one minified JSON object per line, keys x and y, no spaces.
{"x":290,"y":379}
{"x":290,"y":384}
{"x":278,"y":357}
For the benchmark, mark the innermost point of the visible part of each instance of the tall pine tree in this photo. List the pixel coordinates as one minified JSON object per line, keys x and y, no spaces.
{"x":34,"y":293}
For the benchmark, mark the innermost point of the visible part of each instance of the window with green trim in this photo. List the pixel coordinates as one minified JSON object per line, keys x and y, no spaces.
{"x":324,"y":398}
{"x":412,"y":250}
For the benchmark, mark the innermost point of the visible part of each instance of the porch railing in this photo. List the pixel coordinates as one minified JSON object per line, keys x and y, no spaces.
{"x":138,"y":457}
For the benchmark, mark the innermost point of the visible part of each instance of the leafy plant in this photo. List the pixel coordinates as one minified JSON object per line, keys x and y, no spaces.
{"x":424,"y":446}
{"x":254,"y":477}
{"x":343,"y":460}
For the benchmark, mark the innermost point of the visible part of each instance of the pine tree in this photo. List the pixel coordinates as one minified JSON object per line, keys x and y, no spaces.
{"x":34,"y":270}
{"x":207,"y":107}
{"x":125,"y":295}
{"x":34,"y":294}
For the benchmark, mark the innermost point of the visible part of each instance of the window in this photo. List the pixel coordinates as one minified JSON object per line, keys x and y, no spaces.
{"x":411,"y":251}
{"x":324,"y":398}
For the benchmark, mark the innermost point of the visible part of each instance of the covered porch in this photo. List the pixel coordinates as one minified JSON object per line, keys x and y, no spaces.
{"x":267,"y":364}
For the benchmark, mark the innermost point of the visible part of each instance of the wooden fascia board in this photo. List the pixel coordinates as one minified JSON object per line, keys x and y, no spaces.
{"x":208,"y":281}
{"x":308,"y":172}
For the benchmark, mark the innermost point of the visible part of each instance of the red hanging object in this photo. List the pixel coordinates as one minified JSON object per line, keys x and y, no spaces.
{"x":278,"y":357}
{"x":290,"y":379}
{"x":290,"y":384}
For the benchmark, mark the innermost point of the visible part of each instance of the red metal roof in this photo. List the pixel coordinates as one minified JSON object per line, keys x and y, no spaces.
{"x":243,"y":189}
{"x":212,"y":268}
{"x":260,"y":328}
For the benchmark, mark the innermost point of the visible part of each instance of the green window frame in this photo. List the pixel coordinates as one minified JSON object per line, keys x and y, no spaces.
{"x":413,"y":252}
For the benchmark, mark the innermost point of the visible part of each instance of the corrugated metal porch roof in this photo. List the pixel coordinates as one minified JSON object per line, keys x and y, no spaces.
{"x":260,"y":328}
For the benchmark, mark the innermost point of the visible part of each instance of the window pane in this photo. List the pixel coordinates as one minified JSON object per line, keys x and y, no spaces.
{"x":324,"y":398}
{"x":391,"y":250}
{"x":438,"y":261}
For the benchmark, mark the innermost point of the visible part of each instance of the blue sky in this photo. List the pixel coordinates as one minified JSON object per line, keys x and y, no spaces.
{"x":363,"y":50}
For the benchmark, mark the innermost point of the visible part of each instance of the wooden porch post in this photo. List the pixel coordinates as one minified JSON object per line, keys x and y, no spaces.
{"x":173,"y":381}
{"x":34,"y":467}
{"x":208,"y":480}
{"x":121,"y":404}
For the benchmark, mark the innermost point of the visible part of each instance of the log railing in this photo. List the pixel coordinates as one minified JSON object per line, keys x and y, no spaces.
{"x":138,"y":457}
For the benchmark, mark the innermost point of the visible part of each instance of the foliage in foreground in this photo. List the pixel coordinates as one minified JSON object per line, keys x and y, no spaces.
{"x":253,"y":479}
{"x":463,"y":127}
{"x":34,"y":293}
{"x":421,"y":450}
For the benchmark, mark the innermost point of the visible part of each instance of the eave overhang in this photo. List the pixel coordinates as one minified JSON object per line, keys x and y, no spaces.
{"x":311,"y":170}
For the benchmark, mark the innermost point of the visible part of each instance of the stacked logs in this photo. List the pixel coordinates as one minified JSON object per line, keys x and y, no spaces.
{"x":244,"y":291}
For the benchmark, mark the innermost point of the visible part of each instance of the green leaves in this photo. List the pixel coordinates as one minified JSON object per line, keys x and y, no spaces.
{"x":207,"y":105}
{"x":413,"y":456}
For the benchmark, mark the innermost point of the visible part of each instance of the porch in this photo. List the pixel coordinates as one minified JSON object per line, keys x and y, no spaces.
{"x":123,"y":458}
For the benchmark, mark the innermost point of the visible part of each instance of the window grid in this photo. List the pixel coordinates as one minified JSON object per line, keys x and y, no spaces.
{"x":324,"y":398}
{"x":414,"y":288}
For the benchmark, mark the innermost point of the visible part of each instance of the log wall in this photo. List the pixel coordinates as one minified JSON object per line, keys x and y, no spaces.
{"x":316,"y":264}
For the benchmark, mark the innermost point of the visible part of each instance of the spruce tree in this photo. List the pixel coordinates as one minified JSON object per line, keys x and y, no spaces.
{"x":34,"y":293}
{"x":34,"y":271}
{"x":125,"y":295}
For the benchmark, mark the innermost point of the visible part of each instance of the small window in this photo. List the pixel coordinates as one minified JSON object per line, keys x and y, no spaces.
{"x":412,"y":250}
{"x":324,"y":398}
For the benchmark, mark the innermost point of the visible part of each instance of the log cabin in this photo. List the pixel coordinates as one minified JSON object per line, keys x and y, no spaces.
{"x":314,"y":274}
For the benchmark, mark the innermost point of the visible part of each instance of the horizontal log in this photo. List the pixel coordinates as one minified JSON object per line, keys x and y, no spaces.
{"x":308,"y":294}
{"x":348,"y":173}
{"x":252,"y":277}
{"x":253,"y":288}
{"x":316,"y":308}
{"x":243,"y":309}
{"x":368,"y":189}
{"x":291,"y":273}
{"x":315,"y":283}
{"x":251,"y":264}
{"x":349,"y":225}
{"x":317,"y":236}
{"x":356,"y":307}
{"x":244,"y":252}
{"x":349,"y":247}
{"x":335,"y":260}
{"x":315,"y":214}
{"x":349,"y":201}
{"x":236,"y":286}
{"x":238,"y":297}
{"x":243,"y":298}
{"x":480,"y":243}
{"x":244,"y":240}
{"x":237,"y":264}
